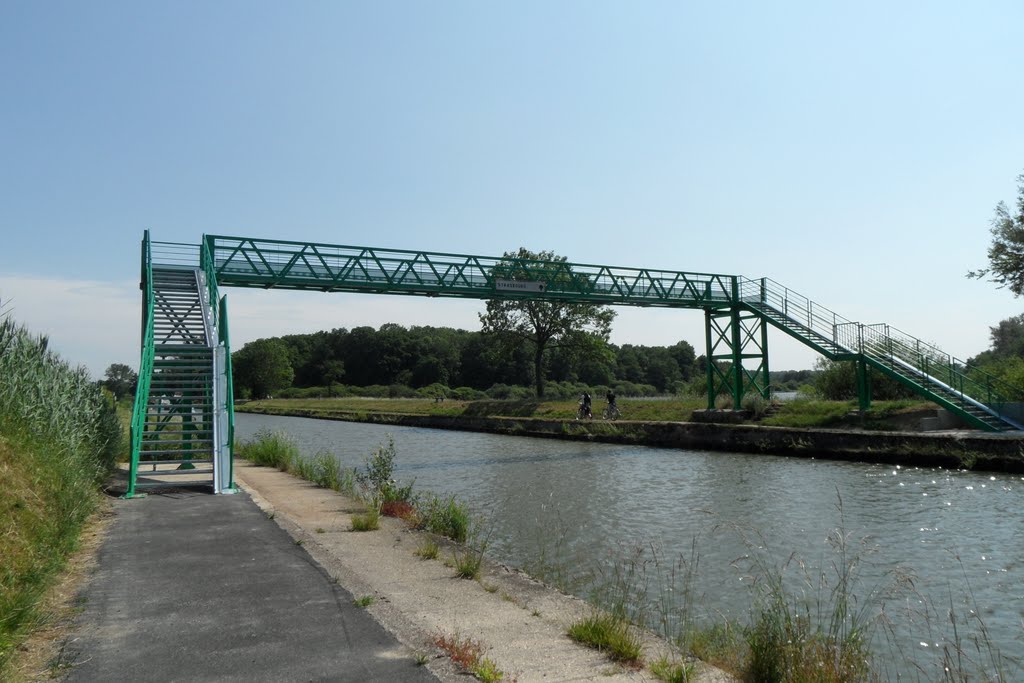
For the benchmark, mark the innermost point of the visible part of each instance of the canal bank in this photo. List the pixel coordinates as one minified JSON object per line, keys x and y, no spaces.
{"x":955,"y":449}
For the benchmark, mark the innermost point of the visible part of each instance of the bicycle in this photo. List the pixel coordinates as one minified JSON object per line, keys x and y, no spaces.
{"x":584,"y":412}
{"x":612,"y":412}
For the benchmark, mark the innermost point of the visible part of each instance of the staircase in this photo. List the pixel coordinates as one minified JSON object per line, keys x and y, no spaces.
{"x":178,"y":432}
{"x":977,"y":399}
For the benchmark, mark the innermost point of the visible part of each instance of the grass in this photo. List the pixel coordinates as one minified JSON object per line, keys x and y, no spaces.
{"x":364,"y":601}
{"x":632,"y":409}
{"x":467,"y":564}
{"x":60,"y":436}
{"x":610,"y":634}
{"x":801,"y":413}
{"x":671,"y":672}
{"x":368,"y":521}
{"x":428,"y":550}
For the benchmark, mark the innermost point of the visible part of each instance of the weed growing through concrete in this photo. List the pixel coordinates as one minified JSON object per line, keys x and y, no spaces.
{"x":368,"y":521}
{"x":364,"y":601}
{"x":428,"y":550}
{"x":610,"y":634}
{"x":666,"y":670}
{"x":468,"y":654}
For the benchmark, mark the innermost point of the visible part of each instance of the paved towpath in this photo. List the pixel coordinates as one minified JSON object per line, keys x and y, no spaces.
{"x":196,"y":587}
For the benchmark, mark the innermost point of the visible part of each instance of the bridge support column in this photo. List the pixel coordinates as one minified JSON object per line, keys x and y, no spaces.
{"x":734,"y":336}
{"x":863,"y":385}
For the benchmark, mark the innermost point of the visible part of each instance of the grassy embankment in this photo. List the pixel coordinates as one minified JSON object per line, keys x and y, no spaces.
{"x":800,"y":413}
{"x":59,"y":437}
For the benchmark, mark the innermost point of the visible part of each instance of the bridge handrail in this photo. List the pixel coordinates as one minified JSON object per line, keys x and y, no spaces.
{"x":884,"y":342}
{"x":887,"y":342}
{"x":175,"y":254}
{"x":145,"y":364}
{"x":277,"y":262}
{"x":210,"y":274}
{"x":812,"y":316}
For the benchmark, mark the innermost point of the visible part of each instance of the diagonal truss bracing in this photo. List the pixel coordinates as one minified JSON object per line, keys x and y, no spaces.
{"x":247,"y":262}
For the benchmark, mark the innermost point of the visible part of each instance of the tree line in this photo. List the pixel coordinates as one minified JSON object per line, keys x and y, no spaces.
{"x":424,"y":356}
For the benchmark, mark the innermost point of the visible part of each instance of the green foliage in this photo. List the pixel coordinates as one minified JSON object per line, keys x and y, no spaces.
{"x":270,"y":448}
{"x":1006,"y":253}
{"x":609,"y":634}
{"x":262,"y":367}
{"x":837,"y":381}
{"x":120,"y":380}
{"x":59,"y":437}
{"x":445,"y":516}
{"x":377,"y":478}
{"x":543,"y":324}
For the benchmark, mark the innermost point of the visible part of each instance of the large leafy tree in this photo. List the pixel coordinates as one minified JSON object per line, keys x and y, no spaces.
{"x":1006,"y":253}
{"x":120,"y":380}
{"x":262,"y":367}
{"x":544,"y":324}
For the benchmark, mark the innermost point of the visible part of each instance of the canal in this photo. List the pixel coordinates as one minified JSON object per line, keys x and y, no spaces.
{"x":923,"y":542}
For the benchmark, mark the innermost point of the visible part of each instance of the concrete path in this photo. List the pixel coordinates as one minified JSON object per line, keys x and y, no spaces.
{"x":196,"y":587}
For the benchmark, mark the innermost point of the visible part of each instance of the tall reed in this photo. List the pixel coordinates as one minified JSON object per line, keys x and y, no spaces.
{"x":59,"y":437}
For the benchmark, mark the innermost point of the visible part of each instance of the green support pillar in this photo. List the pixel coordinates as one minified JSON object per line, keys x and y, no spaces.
{"x":863,"y":385}
{"x":734,"y":336}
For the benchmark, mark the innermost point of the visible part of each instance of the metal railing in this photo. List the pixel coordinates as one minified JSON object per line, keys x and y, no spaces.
{"x":917,"y":361}
{"x":141,"y":402}
{"x":813,"y":317}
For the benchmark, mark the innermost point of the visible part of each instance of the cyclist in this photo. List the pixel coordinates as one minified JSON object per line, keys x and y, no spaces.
{"x":612,"y":411}
{"x":584,"y":410}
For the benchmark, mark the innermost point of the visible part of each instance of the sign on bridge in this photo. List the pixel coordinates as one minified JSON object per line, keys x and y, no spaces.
{"x":520,"y":286}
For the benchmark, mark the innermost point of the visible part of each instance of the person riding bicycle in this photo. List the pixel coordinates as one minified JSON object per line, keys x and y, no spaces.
{"x":585,"y":405}
{"x":611,"y":411}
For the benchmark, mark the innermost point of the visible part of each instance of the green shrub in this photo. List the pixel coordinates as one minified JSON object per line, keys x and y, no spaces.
{"x":445,"y":516}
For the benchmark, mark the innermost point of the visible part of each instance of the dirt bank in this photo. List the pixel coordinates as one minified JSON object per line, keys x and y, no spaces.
{"x":520,"y":623}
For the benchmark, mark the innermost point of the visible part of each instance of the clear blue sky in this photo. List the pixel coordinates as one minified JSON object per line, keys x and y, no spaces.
{"x":851,"y":151}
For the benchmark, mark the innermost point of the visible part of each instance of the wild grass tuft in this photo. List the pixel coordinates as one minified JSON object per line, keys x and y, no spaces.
{"x":610,"y":634}
{"x":428,"y":550}
{"x":271,"y":448}
{"x":368,"y":521}
{"x":467,"y":564}
{"x":364,"y":601}
{"x":666,"y":670}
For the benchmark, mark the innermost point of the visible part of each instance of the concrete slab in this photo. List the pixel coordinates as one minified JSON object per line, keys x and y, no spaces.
{"x":196,"y":587}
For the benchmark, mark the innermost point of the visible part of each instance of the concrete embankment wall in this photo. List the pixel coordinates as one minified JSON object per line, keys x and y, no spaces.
{"x":966,"y":450}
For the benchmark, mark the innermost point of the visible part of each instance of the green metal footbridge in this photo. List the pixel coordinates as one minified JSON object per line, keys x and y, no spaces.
{"x":183,"y":421}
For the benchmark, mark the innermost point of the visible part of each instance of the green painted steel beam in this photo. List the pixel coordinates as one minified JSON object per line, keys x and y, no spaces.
{"x":246,"y":262}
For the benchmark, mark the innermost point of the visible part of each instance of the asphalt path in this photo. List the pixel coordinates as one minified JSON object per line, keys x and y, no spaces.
{"x":196,"y":587}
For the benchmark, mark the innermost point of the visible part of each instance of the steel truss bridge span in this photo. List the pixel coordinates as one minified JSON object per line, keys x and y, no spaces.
{"x":737,"y":310}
